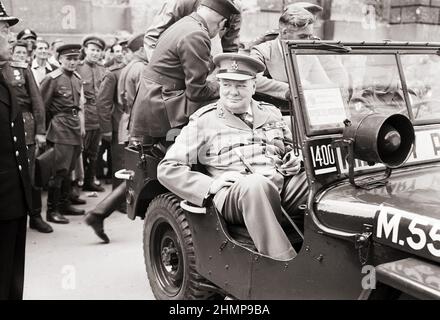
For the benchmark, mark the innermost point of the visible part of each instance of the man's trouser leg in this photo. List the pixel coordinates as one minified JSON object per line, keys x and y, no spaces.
{"x":255,"y":202}
{"x":117,"y":159}
{"x":12,"y":256}
{"x":111,"y":202}
{"x":294,"y":194}
{"x":90,"y":155}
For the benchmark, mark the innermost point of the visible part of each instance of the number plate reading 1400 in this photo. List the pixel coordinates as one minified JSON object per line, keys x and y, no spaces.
{"x":409,"y":232}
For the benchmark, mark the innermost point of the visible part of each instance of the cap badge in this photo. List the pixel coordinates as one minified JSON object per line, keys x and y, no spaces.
{"x":234,"y":65}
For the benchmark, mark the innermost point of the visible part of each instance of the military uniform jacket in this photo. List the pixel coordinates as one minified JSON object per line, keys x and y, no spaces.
{"x":174,"y":85}
{"x":211,"y":138}
{"x":109,"y":111}
{"x":174,"y":10}
{"x":28,"y":96}
{"x":15,"y":184}
{"x":92,"y":75}
{"x":61,"y":92}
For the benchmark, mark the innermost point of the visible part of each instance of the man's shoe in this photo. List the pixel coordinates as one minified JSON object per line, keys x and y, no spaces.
{"x":92,"y":187}
{"x":77,"y":200}
{"x":56,"y":217}
{"x":40,"y":225}
{"x":96,"y":221}
{"x":69,"y":210}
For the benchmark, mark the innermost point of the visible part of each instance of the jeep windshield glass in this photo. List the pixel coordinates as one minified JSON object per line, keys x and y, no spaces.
{"x":339,"y":87}
{"x":422,"y":75}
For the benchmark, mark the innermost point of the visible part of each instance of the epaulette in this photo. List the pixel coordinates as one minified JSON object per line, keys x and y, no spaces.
{"x":203,"y":110}
{"x":270,"y":107}
{"x":77,"y":75}
{"x":115,"y":67}
{"x":55,"y":74}
{"x":19,"y":64}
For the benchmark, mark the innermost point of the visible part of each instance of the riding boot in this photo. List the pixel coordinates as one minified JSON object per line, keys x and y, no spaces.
{"x":105,"y":208}
{"x":35,"y":220}
{"x":74,"y":196}
{"x":89,"y":178}
{"x":53,"y":199}
{"x":65,"y":206}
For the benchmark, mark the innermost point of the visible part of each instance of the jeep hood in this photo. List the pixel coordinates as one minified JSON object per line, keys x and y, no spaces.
{"x":404,"y":214}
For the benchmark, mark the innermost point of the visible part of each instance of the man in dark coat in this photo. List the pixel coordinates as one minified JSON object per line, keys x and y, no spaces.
{"x":15,"y":186}
{"x":19,"y":76}
{"x":174,"y":84}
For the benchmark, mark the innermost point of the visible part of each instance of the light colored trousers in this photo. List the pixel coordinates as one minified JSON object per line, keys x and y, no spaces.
{"x":255,"y":202}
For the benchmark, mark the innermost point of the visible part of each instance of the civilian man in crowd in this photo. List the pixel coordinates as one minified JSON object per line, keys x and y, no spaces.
{"x":40,"y":65}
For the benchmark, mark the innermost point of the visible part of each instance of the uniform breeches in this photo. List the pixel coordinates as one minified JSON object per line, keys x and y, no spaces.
{"x":65,"y":161}
{"x":90,"y":153}
{"x":256,"y":202}
{"x":36,"y":192}
{"x":12,"y":254}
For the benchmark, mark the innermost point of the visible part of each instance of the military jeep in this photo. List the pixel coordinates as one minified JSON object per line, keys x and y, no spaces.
{"x":366,"y":120}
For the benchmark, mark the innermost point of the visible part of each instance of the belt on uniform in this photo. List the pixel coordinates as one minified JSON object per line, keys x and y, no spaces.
{"x":73,"y":112}
{"x":167,"y":82}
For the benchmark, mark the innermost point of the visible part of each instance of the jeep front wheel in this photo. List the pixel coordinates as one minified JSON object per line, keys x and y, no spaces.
{"x":169,"y":252}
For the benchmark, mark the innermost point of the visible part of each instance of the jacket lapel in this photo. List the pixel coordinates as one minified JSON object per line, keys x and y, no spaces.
{"x":260,"y":117}
{"x":230,"y":119}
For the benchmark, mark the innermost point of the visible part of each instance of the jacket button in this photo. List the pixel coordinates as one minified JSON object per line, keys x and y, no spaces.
{"x":17,"y":153}
{"x":12,"y":124}
{"x":24,"y":120}
{"x":15,"y":139}
{"x":19,"y":167}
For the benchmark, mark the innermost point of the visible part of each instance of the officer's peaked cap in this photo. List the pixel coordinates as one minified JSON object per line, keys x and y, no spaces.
{"x":4,"y":16}
{"x":26,"y":34}
{"x":223,"y":7}
{"x":235,"y":66}
{"x":94,"y":40}
{"x":69,"y":50}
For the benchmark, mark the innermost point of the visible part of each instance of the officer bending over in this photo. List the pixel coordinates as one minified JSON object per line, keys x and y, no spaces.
{"x":246,"y":148}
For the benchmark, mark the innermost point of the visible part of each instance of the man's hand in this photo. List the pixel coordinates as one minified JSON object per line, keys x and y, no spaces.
{"x":227,"y":179}
{"x":40,"y":139}
{"x":291,"y":164}
{"x":107,"y":136}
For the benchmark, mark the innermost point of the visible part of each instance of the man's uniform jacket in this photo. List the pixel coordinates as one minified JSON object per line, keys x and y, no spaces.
{"x":61,"y":92}
{"x":28,"y":96}
{"x":211,"y":138}
{"x":91,"y":76}
{"x":173,"y":85}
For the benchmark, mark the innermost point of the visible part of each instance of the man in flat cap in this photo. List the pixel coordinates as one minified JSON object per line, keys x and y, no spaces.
{"x":61,"y":91}
{"x":174,"y":10}
{"x":18,"y":74}
{"x":15,"y":185}
{"x":246,"y":149}
{"x":92,"y":73}
{"x":174,"y":84}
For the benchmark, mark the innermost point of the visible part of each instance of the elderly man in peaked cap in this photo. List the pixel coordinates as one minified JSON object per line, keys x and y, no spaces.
{"x":15,"y":185}
{"x":246,"y":148}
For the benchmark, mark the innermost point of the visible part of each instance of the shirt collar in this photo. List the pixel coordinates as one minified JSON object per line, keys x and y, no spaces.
{"x":35,"y":65}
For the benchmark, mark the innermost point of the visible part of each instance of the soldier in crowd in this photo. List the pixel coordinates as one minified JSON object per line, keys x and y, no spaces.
{"x":92,"y":74}
{"x":174,"y":83}
{"x":61,"y":91}
{"x":174,"y":10}
{"x":19,"y":76}
{"x":108,"y":110}
{"x":53,"y":59}
{"x":15,"y":185}
{"x":252,"y":172}
{"x":40,"y":65}
{"x":127,"y":86}
{"x":19,"y":51}
{"x":29,"y":37}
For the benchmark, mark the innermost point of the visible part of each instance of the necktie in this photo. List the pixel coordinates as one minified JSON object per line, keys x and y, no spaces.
{"x":246,"y":118}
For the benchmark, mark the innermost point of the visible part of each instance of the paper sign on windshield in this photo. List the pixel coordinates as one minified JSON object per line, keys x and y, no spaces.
{"x":325,"y":106}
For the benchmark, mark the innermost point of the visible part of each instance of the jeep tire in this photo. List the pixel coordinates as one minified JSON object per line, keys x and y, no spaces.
{"x":169,"y":252}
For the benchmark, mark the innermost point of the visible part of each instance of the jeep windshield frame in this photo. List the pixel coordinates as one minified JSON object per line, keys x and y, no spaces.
{"x":370,"y":69}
